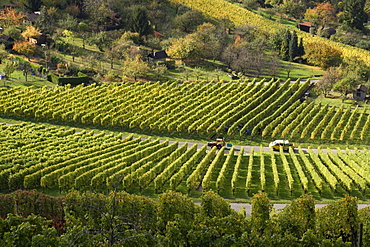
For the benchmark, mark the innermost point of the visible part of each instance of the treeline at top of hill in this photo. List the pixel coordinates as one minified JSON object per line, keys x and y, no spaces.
{"x":161,"y":40}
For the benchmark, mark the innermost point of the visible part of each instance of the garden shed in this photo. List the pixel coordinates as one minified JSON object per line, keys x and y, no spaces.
{"x":360,"y":92}
{"x":305,"y":26}
{"x":158,"y":56}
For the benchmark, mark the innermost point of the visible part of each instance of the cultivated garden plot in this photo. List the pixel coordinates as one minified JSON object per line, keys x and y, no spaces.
{"x":50,"y":157}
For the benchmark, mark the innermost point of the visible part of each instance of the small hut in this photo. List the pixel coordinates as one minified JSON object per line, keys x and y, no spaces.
{"x":158,"y":56}
{"x":360,"y":92}
{"x":305,"y":26}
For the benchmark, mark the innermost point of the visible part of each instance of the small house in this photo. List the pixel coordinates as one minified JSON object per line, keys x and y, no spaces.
{"x":158,"y":55}
{"x":39,"y":40}
{"x":7,"y":41}
{"x":360,"y":92}
{"x":32,"y":18}
{"x":305,"y":26}
{"x":158,"y":34}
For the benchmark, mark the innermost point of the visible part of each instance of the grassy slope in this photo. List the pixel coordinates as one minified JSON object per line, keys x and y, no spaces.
{"x":221,"y":9}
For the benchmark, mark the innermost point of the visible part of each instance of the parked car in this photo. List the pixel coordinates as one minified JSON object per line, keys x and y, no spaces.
{"x":285,"y":144}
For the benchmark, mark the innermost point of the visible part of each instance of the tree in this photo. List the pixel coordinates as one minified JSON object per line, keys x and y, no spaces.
{"x":229,"y":55}
{"x":322,"y":55}
{"x":47,"y":20}
{"x":288,"y":67}
{"x":8,"y":68}
{"x":188,"y":21}
{"x":29,"y":5}
{"x":98,"y":10}
{"x":31,"y":32}
{"x":210,"y":40}
{"x":59,"y":4}
{"x":83,"y":28}
{"x":321,"y":15}
{"x":135,"y":67}
{"x":332,"y":75}
{"x":159,"y":71}
{"x":198,"y":72}
{"x":139,"y":21}
{"x":364,"y":218}
{"x":14,"y":32}
{"x":261,"y":208}
{"x":293,"y":46}
{"x":10,"y":18}
{"x":251,"y":4}
{"x":218,"y":73}
{"x":184,"y":48}
{"x":70,"y":37}
{"x":25,"y":48}
{"x":118,"y":50}
{"x":293,"y":8}
{"x":298,"y":217}
{"x":274,"y":66}
{"x":214,"y":205}
{"x":353,"y":13}
{"x":246,"y":58}
{"x":3,"y":53}
{"x":346,"y":85}
{"x":69,"y":22}
{"x":101,"y":40}
{"x":32,"y":230}
{"x":339,"y":219}
{"x":173,"y":204}
{"x":26,"y":68}
{"x":176,"y":214}
{"x":285,"y":44}
{"x":114,"y":220}
{"x":352,"y":73}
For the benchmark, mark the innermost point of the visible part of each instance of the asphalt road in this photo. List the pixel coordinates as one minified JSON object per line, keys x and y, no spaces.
{"x":247,"y":149}
{"x":277,"y":207}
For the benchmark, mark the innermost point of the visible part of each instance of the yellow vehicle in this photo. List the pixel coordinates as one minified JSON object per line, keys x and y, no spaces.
{"x":285,"y":144}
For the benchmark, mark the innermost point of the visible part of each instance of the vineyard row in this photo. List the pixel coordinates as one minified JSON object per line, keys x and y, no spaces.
{"x":65,"y":159}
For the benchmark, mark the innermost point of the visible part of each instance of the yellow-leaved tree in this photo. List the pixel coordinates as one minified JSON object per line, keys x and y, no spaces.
{"x":25,"y":48}
{"x":31,"y":32}
{"x":322,"y":55}
{"x":135,"y":67}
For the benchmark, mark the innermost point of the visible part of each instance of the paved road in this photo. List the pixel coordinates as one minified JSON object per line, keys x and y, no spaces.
{"x":277,"y":207}
{"x":247,"y":149}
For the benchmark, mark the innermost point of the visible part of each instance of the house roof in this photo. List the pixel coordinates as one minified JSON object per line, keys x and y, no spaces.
{"x":361,"y":88}
{"x":158,"y":55}
{"x":6,"y":37}
{"x":33,"y":17}
{"x":330,"y":31}
{"x":158,"y":34}
{"x":305,"y":23}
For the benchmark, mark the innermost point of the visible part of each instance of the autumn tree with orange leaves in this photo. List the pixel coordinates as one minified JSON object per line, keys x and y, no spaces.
{"x":321,"y":15}
{"x":25,"y":48}
{"x":9,"y":17}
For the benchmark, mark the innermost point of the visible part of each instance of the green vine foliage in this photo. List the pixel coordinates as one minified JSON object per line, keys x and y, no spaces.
{"x":122,"y":219}
{"x":214,"y":205}
{"x":261,"y":209}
